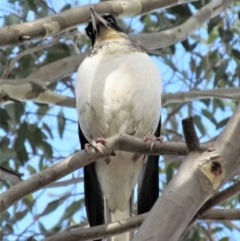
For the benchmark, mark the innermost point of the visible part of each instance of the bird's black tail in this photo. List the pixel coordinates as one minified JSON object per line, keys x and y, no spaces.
{"x":93,"y":193}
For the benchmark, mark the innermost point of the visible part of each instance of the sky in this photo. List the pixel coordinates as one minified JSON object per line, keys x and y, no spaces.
{"x":70,"y":137}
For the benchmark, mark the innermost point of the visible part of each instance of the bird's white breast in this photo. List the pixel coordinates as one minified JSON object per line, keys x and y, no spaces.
{"x":116,"y":93}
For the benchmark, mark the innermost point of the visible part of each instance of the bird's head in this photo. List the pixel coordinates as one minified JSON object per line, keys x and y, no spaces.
{"x":102,"y":27}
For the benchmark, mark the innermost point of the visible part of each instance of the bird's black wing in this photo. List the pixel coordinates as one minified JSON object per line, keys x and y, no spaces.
{"x":93,"y":193}
{"x":149,"y":186}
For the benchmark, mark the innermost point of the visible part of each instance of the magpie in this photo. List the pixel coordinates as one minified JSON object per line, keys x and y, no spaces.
{"x":118,"y":88}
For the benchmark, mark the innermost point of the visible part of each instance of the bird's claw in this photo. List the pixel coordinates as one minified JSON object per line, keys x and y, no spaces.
{"x":94,"y":146}
{"x":153,"y":139}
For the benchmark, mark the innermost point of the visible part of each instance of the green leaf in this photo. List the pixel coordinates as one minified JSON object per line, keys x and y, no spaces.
{"x":52,"y":206}
{"x":47,"y":148}
{"x":20,"y":215}
{"x":22,"y":154}
{"x":69,"y":212}
{"x":42,"y":110}
{"x":187,"y":46}
{"x":169,"y":170}
{"x":4,"y":117}
{"x":206,"y":102}
{"x":21,"y":136}
{"x":61,"y":123}
{"x":213,"y":22}
{"x":226,"y":35}
{"x":42,"y":227}
{"x":212,"y":37}
{"x":236,"y":53}
{"x":32,"y":5}
{"x":220,"y":71}
{"x":209,"y":115}
{"x":48,"y":130}
{"x":222,"y":123}
{"x":199,"y":69}
{"x":15,"y":111}
{"x":199,"y":124}
{"x":218,"y":103}
{"x":8,"y":228}
{"x":29,"y":201}
{"x":224,"y":239}
{"x":31,"y":169}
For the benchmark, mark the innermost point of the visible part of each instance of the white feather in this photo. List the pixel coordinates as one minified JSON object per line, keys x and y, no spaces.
{"x":116,"y":93}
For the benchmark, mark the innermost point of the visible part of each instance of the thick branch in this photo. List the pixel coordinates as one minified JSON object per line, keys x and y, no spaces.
{"x":198,"y":178}
{"x":32,"y":91}
{"x":17,"y":34}
{"x":119,"y":142}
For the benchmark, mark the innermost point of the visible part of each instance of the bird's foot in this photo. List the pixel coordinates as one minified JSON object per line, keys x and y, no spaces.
{"x":94,"y":145}
{"x":96,"y":148}
{"x":153,"y":139}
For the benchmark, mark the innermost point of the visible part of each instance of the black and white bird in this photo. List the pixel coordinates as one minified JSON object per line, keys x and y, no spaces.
{"x":118,"y":88}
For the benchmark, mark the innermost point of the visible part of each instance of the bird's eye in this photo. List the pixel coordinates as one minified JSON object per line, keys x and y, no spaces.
{"x":110,"y":20}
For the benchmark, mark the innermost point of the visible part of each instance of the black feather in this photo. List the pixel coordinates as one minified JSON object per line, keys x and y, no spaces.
{"x":149,"y":186}
{"x":93,"y":193}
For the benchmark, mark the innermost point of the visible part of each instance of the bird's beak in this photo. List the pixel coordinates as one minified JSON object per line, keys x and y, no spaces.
{"x":96,"y":18}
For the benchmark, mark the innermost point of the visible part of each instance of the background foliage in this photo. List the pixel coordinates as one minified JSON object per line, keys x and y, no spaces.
{"x":35,"y":136}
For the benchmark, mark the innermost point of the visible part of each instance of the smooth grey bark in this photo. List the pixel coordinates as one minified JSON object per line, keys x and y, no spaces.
{"x":198,"y":178}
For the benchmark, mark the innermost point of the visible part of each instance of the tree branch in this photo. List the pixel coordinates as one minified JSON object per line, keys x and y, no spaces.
{"x":32,"y":91}
{"x":70,"y":164}
{"x":129,"y":224}
{"x":19,"y":33}
{"x":213,"y":201}
{"x":9,"y":175}
{"x":220,"y":215}
{"x":221,"y":197}
{"x":198,"y":178}
{"x":220,"y":93}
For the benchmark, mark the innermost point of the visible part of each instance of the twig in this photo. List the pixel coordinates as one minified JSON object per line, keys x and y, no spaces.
{"x":190,"y":134}
{"x":220,"y":197}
